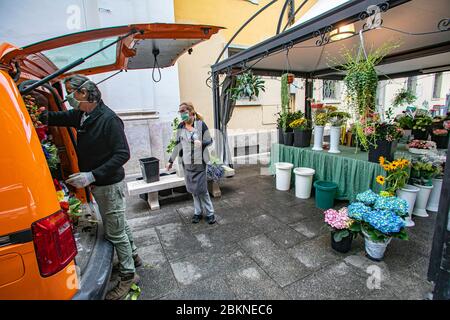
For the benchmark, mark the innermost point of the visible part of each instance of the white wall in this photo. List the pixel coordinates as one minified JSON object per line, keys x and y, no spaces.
{"x":27,"y":21}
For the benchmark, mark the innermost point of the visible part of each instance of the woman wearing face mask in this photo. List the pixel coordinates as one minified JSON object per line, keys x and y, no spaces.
{"x":192,"y":139}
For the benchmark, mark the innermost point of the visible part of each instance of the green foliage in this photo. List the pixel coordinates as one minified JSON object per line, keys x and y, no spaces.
{"x":340,"y":234}
{"x":379,"y":236}
{"x":173,"y":141}
{"x":423,"y":172}
{"x":422,"y":122}
{"x":285,"y":95}
{"x":402,"y":97}
{"x":338,"y":118}
{"x":320,"y":117}
{"x":247,"y":86}
{"x":405,"y":122}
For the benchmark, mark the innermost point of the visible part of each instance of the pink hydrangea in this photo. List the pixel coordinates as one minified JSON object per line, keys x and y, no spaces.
{"x":369,"y":131}
{"x":338,"y":219}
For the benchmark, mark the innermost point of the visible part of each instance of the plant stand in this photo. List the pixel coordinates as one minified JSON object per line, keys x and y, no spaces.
{"x":318,"y":138}
{"x":421,"y":201}
{"x":408,"y":193}
{"x":335,"y":136}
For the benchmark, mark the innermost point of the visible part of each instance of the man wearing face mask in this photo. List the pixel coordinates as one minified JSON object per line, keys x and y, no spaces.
{"x":102,"y":150}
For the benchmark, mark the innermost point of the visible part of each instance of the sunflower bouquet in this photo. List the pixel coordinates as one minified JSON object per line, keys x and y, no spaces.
{"x":397,"y":174}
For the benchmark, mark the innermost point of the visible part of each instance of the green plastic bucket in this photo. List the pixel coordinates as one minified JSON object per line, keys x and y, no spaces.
{"x":325,"y":193}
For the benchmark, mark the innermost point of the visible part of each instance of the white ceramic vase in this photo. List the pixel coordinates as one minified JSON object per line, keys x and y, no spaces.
{"x":409,"y":193}
{"x":303,"y":182}
{"x":433,"y":201}
{"x":422,"y":200}
{"x":335,"y":136}
{"x":318,"y":137}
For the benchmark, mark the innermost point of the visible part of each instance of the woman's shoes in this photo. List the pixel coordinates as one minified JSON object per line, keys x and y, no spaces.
{"x":211,"y":219}
{"x":196,"y":218}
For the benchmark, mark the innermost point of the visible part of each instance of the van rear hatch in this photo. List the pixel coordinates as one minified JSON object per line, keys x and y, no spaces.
{"x":141,"y":46}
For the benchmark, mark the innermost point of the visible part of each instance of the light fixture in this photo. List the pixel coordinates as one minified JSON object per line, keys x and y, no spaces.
{"x":342,"y":32}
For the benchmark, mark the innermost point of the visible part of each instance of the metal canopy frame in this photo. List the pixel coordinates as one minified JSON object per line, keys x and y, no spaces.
{"x":350,"y":12}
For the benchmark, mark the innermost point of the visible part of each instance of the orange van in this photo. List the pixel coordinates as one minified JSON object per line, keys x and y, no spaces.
{"x":40,"y":258}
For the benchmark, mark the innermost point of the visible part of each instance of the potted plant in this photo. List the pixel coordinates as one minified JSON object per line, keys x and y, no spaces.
{"x":397,"y":175}
{"x":320,"y":119}
{"x":421,"y":146}
{"x":343,"y":229}
{"x":402,"y":97}
{"x":288,"y":134}
{"x":336,"y":119}
{"x":438,"y":161}
{"x":248,"y":86}
{"x":383,"y":140}
{"x":406,"y":122}
{"x":440,"y":136}
{"x":302,"y":132}
{"x":422,"y":126}
{"x":422,"y":173}
{"x":284,"y":117}
{"x":314,"y":104}
{"x":381,"y":220}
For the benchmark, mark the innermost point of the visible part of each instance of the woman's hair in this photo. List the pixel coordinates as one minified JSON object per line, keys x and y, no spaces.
{"x":78,"y":82}
{"x":191,"y":109}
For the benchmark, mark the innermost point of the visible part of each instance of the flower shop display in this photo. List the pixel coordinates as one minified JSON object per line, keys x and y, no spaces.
{"x":302,"y":132}
{"x":421,"y":147}
{"x":320,"y":120}
{"x":422,"y":173}
{"x":422,"y":126}
{"x":382,"y":139}
{"x":336,"y":119}
{"x":343,"y":229}
{"x":440,"y":137}
{"x":406,"y":122}
{"x":381,"y":218}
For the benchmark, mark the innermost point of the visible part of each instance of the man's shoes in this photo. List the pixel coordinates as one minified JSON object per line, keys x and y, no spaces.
{"x":196,"y":218}
{"x":137,"y":263}
{"x":122,"y":288}
{"x":211,"y":219}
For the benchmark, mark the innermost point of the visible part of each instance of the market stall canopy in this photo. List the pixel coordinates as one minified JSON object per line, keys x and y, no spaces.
{"x":419,"y":26}
{"x":143,"y":46}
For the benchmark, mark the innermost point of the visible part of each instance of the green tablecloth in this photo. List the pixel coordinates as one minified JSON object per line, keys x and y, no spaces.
{"x":353,"y":173}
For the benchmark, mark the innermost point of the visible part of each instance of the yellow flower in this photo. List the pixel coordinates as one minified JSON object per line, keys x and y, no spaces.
{"x":380,"y":180}
{"x":382,"y":160}
{"x":405,"y":162}
{"x":392,"y":166}
{"x":60,"y":195}
{"x":387,"y":167}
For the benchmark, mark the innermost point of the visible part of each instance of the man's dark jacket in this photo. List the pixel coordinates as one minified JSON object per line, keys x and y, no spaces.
{"x":102,"y":146}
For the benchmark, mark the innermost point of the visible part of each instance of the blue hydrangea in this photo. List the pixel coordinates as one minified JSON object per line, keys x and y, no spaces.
{"x":357,"y":210}
{"x":397,"y":205}
{"x":367,"y":197}
{"x":385,"y":221}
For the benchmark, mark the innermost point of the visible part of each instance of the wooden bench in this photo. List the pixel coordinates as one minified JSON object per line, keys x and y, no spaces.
{"x":168,"y":182}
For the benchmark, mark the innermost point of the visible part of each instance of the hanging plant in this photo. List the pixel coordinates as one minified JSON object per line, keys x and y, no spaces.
{"x":285,"y":96}
{"x":247,"y":86}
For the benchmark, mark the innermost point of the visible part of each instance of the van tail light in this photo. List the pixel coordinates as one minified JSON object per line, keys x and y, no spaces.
{"x":54,"y":243}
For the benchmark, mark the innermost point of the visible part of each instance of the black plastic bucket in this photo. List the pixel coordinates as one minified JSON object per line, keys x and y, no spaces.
{"x":150,"y":169}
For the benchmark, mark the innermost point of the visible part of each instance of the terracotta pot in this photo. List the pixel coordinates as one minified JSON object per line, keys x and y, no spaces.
{"x":290,"y":78}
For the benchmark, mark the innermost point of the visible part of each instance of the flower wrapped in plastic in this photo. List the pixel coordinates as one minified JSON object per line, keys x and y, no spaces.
{"x":214,"y":172}
{"x":367,"y":197}
{"x":397,"y":205}
{"x":357,"y":210}
{"x":385,"y":221}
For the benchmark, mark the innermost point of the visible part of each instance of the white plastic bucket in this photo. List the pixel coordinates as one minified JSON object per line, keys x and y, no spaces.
{"x":421,"y":201}
{"x":433,"y":201}
{"x":408,"y":193}
{"x":283,"y":173}
{"x":303,"y":182}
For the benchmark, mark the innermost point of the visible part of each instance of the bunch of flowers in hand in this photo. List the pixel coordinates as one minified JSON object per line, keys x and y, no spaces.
{"x":380,"y":215}
{"x":397,"y":174}
{"x":341,"y":224}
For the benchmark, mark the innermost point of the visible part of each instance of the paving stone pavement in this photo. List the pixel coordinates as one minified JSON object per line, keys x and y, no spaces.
{"x":267,"y":244}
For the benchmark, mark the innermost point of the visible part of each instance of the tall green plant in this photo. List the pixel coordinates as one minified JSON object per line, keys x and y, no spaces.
{"x":247,"y":86}
{"x":285,"y":96}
